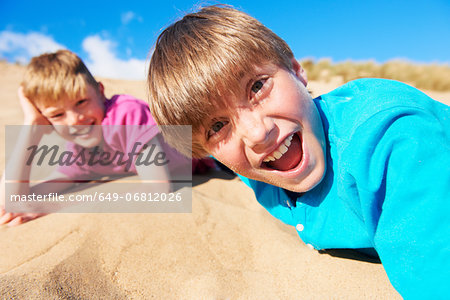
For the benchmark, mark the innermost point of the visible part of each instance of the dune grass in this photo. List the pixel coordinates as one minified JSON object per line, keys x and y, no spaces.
{"x":424,"y":76}
{"x":435,"y":77}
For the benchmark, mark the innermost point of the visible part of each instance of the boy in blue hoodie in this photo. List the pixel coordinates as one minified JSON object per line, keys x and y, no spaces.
{"x":366,"y":166}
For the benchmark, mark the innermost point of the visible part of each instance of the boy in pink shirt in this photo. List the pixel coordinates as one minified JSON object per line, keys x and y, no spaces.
{"x":59,"y":90}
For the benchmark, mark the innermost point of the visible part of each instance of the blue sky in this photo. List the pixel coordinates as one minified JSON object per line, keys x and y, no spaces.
{"x":115,"y":37}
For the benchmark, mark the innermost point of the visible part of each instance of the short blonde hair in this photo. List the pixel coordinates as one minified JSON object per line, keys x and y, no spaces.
{"x":51,"y":77}
{"x":200,"y":60}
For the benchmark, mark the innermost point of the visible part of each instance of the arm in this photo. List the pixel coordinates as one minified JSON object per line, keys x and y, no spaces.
{"x":54,"y":183}
{"x":30,"y":134}
{"x":404,"y":194}
{"x":18,"y":171}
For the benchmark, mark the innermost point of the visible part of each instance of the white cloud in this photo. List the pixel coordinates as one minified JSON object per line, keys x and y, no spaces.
{"x":129,"y":16}
{"x":21,"y":47}
{"x":102,"y":61}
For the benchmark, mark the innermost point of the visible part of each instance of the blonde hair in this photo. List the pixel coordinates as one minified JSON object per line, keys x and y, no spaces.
{"x":200,"y":60}
{"x":51,"y":77}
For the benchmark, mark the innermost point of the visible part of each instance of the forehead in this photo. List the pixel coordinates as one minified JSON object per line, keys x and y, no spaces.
{"x":64,"y":100}
{"x":53,"y":95}
{"x":62,"y":104}
{"x":252,"y":73}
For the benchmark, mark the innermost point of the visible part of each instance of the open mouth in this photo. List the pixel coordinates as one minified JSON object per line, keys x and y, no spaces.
{"x":80,"y":130}
{"x":287,"y":156}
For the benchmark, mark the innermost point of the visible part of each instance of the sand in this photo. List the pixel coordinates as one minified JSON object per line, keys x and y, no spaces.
{"x":229,"y":247}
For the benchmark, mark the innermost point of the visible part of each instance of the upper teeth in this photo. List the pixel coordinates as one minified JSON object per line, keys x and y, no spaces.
{"x":74,"y":131}
{"x":281,"y":150}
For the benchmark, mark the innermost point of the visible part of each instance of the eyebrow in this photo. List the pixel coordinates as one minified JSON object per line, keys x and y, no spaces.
{"x":50,"y":110}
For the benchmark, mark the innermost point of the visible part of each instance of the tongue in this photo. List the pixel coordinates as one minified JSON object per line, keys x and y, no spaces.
{"x":291,"y":158}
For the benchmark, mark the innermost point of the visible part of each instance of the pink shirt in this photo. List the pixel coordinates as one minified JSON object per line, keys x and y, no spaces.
{"x":140,"y":128}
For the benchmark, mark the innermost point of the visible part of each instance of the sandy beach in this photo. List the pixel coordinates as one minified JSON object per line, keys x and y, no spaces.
{"x":229,"y":247}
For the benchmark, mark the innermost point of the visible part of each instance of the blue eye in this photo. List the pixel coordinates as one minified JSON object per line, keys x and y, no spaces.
{"x":217,"y":126}
{"x":81,"y":101}
{"x":257,"y":86}
{"x":56,"y":116}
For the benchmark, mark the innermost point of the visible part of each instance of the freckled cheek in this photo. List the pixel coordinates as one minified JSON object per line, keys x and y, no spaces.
{"x":289,"y":105}
{"x":233,"y":159}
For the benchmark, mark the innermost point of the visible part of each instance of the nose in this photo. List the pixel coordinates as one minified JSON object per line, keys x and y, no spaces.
{"x":74,"y":118}
{"x":255,"y":129}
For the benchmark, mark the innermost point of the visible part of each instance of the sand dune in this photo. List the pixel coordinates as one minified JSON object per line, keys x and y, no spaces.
{"x":228,"y":247}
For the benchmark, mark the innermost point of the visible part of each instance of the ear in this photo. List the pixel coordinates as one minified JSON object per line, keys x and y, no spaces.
{"x":299,"y":72}
{"x":101,"y":90}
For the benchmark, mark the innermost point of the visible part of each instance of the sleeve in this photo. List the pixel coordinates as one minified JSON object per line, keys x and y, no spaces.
{"x":140,"y":134}
{"x":130,"y":124}
{"x":402,"y":169}
{"x":269,"y":197}
{"x":75,"y":171}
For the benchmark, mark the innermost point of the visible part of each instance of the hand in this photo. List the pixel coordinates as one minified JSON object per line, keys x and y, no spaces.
{"x":32,"y":114}
{"x":14,"y":219}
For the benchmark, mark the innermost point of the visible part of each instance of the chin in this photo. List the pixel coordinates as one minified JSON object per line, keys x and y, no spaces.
{"x":88,"y":143}
{"x":90,"y":140}
{"x":309,"y":183}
